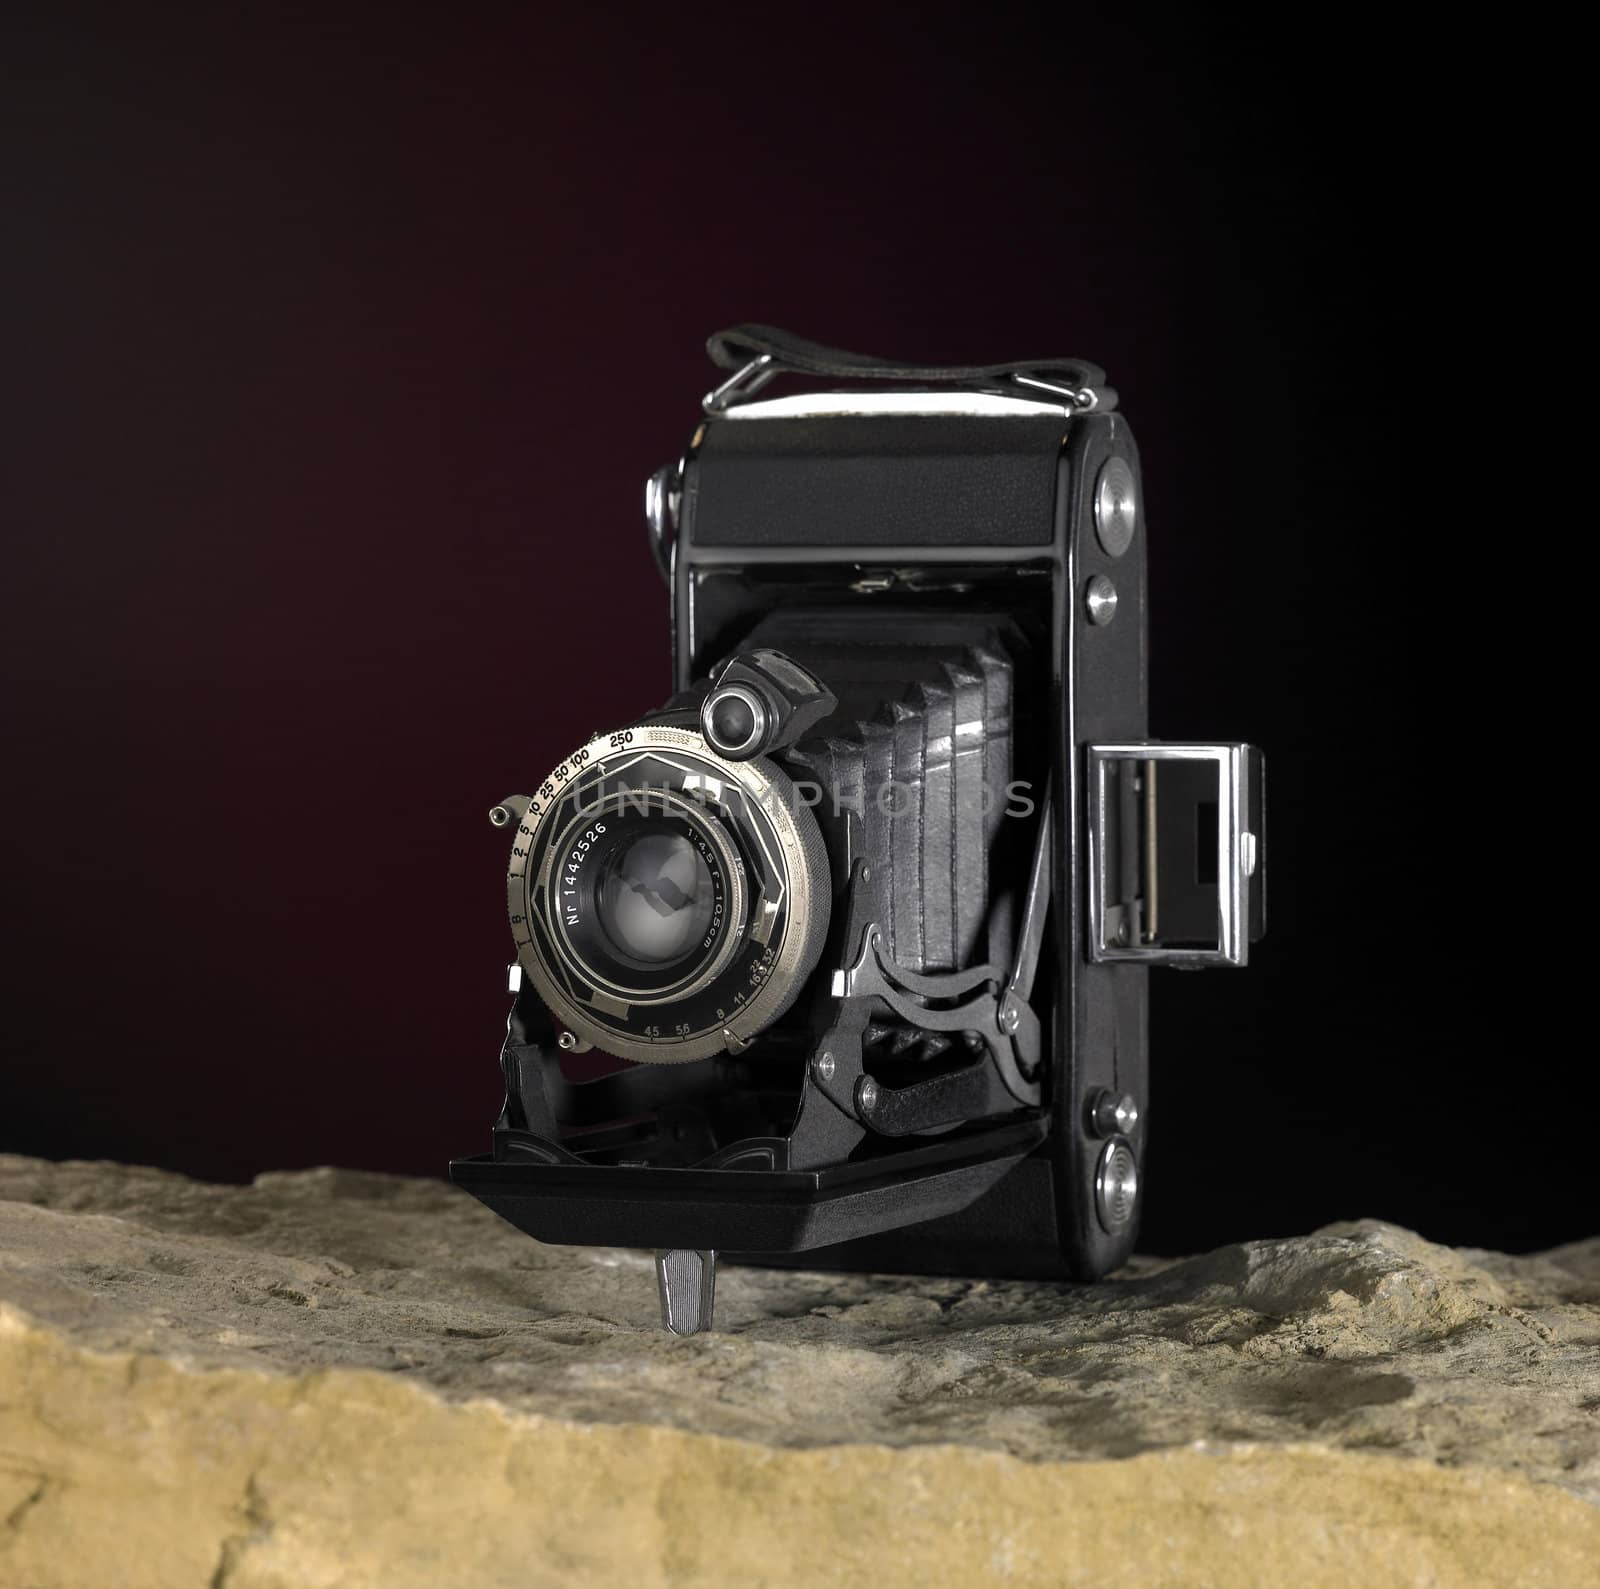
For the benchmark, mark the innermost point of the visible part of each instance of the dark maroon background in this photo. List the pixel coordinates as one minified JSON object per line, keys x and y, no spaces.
{"x":339,"y":354}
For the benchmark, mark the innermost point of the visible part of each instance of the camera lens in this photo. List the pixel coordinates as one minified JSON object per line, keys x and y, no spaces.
{"x":666,"y":905}
{"x":654,"y":899}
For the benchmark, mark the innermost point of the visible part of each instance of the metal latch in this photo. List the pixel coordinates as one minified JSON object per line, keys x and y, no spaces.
{"x":1176,"y":854}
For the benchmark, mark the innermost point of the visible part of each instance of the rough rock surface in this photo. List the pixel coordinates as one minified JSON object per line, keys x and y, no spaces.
{"x":334,"y":1378}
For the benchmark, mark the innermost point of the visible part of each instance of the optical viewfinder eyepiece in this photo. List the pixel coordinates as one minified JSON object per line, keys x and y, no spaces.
{"x":734,"y":721}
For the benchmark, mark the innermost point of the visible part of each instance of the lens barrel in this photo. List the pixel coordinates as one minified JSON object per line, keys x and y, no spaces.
{"x":647,"y":893}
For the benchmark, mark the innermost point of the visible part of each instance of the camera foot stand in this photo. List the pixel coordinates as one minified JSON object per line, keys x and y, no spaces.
{"x":687,"y":1279}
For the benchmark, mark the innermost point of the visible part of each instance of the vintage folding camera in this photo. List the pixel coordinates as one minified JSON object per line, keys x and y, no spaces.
{"x":863,"y":914}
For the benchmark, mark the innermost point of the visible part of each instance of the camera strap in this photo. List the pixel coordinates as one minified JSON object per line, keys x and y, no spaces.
{"x":756,"y":354}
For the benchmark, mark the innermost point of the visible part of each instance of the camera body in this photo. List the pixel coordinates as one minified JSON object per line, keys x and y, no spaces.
{"x":864,"y":913}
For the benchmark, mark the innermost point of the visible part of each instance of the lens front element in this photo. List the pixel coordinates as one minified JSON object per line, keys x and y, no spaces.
{"x":655,"y":897}
{"x":645,"y":892}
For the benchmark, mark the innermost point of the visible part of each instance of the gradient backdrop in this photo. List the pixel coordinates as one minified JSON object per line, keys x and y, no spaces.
{"x":339,"y":354}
